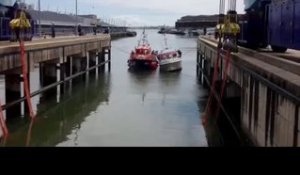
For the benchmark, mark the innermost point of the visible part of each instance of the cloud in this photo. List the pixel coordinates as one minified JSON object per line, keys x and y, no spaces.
{"x":138,"y":12}
{"x":169,"y":6}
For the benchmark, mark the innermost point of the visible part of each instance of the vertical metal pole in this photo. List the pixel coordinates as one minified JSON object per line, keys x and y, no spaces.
{"x":201,"y":67}
{"x":40,"y":27}
{"x":198,"y":60}
{"x":109,"y":58}
{"x":76,"y":32}
{"x":220,"y":7}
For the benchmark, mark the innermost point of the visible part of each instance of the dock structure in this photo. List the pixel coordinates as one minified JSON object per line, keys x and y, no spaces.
{"x":262,"y":97}
{"x":59,"y":60}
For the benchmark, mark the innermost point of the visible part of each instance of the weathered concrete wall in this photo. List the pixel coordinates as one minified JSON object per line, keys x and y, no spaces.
{"x":269,"y":113}
{"x":45,"y":50}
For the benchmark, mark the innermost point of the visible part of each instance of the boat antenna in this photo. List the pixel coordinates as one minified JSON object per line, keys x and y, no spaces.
{"x":166,"y":42}
{"x":143,"y":38}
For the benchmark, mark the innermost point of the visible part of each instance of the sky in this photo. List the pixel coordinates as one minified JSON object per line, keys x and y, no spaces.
{"x":137,"y":12}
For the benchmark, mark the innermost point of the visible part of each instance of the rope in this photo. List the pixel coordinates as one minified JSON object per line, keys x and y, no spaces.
{"x":225,"y":77}
{"x":25,"y":78}
{"x":223,"y":87}
{"x":21,"y":23}
{"x":2,"y":122}
{"x":29,"y":133}
{"x":211,"y":96}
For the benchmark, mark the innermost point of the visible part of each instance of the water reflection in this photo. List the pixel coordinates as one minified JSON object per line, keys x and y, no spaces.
{"x":55,"y":122}
{"x":140,"y":81}
{"x":122,"y":108}
{"x":169,"y":80}
{"x":141,"y":77}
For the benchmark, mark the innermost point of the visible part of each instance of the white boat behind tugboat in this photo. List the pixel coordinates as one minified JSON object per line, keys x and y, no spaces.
{"x":169,"y":59}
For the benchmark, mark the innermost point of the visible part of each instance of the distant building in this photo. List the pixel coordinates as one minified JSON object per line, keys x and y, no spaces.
{"x":197,"y":22}
{"x":48,"y":17}
{"x":64,"y":23}
{"x":92,"y":19}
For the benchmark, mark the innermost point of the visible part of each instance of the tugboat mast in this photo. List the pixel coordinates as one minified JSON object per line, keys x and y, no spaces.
{"x":144,"y":38}
{"x":166,"y":42}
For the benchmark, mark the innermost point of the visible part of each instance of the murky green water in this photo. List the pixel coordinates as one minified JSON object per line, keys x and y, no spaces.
{"x":123,"y":108}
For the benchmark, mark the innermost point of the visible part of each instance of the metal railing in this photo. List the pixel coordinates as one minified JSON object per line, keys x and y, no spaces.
{"x":46,"y":88}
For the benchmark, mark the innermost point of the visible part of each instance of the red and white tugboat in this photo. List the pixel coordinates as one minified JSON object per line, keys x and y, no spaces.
{"x":143,"y":56}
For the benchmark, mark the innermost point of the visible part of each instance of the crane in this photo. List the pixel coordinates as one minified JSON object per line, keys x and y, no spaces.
{"x":228,"y":28}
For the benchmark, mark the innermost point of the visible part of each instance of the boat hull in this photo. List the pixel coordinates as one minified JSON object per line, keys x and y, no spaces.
{"x":171,"y":66}
{"x":143,"y":64}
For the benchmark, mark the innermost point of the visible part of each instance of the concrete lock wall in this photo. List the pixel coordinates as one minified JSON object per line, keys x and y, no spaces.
{"x":269,"y":114}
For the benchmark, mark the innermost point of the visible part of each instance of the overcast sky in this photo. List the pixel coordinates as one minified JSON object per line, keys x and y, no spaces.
{"x":137,"y":12}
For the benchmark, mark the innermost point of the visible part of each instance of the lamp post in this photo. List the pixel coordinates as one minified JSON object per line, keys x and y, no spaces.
{"x":76,"y":32}
{"x":40,"y":27}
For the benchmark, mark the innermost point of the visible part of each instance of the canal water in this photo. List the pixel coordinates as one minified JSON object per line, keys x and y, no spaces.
{"x":122,"y":108}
